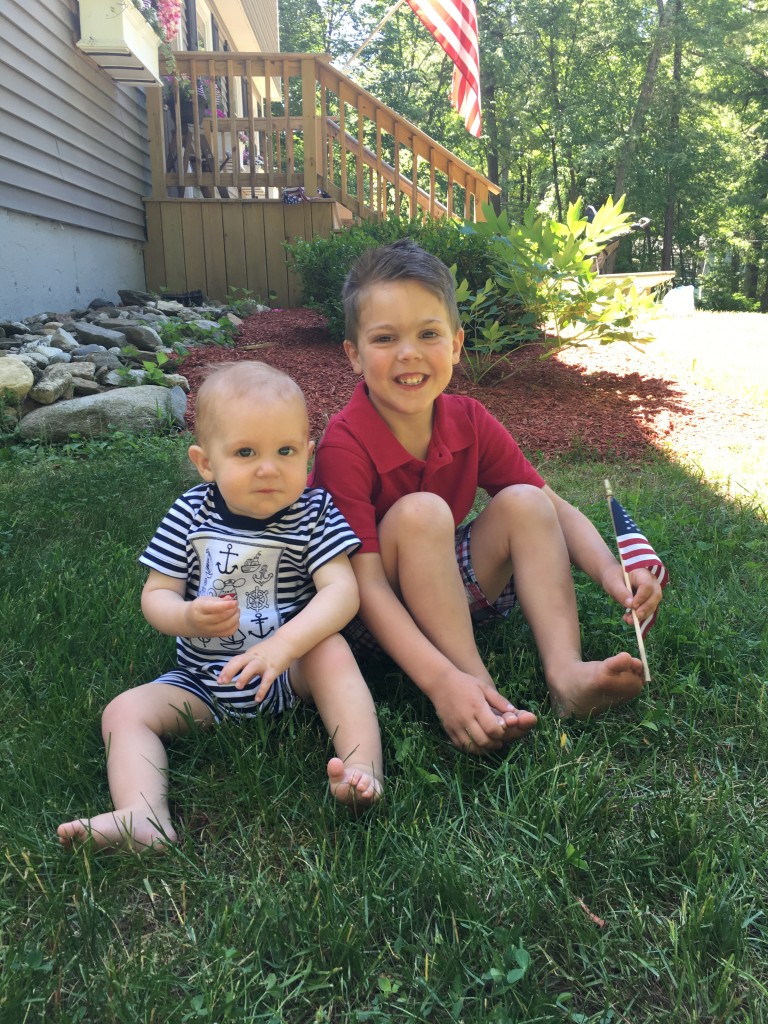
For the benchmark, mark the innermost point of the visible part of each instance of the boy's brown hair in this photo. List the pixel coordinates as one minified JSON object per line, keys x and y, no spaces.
{"x":403,"y":260}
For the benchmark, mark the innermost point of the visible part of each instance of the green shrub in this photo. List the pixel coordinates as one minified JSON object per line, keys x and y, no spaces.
{"x":543,"y":287}
{"x":323,"y":263}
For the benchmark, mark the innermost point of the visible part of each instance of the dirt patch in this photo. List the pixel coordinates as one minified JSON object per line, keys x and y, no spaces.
{"x":612,"y":401}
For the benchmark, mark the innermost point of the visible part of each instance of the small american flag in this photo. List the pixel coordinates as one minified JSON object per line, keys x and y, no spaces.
{"x":453,"y":23}
{"x":635,"y":552}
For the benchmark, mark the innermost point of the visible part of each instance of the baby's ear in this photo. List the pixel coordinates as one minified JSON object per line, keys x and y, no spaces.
{"x":310,"y":450}
{"x":200,"y":461}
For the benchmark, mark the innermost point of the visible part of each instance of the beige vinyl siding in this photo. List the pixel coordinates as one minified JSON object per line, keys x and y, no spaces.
{"x":73,"y":144}
{"x":262,"y":14}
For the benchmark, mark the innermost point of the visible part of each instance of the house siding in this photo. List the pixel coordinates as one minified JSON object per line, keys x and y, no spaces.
{"x":73,"y":152}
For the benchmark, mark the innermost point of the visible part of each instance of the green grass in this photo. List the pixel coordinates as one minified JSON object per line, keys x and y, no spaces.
{"x":466,"y":896}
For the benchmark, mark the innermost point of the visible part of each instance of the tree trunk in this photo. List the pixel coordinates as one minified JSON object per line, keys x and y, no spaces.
{"x":674,"y":136}
{"x":752,"y":270}
{"x":638,"y":116}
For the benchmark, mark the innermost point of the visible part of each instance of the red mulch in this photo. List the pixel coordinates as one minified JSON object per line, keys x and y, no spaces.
{"x":549,"y":406}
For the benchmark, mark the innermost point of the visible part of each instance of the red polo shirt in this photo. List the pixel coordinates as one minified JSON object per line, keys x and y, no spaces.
{"x":366,"y":469}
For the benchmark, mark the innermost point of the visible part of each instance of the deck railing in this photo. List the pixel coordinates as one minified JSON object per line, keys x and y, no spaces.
{"x":266,"y":122}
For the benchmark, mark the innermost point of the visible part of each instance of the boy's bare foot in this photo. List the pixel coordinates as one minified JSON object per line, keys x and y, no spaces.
{"x":517,"y":724}
{"x":353,"y":784}
{"x":594,"y":686}
{"x":118,"y":830}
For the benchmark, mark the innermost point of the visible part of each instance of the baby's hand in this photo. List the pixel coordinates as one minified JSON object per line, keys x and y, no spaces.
{"x":214,"y":616}
{"x":267,"y":659}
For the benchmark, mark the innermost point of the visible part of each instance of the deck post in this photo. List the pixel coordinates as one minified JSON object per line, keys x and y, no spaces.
{"x":310,"y":125}
{"x":156,"y":141}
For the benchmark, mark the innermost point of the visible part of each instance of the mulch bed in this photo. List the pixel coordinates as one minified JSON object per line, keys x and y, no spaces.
{"x":580,"y":400}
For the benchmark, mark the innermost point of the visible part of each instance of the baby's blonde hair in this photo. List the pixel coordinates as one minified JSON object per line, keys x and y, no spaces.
{"x":247,"y":379}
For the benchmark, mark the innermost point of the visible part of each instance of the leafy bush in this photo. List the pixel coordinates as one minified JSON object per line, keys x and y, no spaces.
{"x":514,"y":281}
{"x":720,"y":284}
{"x":323,"y":263}
{"x":544,"y":268}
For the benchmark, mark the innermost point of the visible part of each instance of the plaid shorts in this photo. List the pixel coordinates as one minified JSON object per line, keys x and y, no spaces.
{"x":480,"y":608}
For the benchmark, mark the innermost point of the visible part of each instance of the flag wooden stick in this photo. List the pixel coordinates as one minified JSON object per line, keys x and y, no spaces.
{"x":635,"y":620}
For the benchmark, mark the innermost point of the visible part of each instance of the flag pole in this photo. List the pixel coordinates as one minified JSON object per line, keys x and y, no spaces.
{"x":635,"y":620}
{"x":392,"y":10}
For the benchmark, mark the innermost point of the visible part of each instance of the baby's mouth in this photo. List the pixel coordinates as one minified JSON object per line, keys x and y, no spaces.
{"x":411,"y":380}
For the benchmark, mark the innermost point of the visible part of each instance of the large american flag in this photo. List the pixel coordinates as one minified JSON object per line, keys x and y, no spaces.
{"x":635,"y":552}
{"x":453,"y":23}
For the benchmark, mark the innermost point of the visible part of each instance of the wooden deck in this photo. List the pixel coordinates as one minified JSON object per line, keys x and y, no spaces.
{"x":215,"y":219}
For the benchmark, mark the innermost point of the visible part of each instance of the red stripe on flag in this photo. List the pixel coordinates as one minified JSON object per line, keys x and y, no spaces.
{"x":453,"y":23}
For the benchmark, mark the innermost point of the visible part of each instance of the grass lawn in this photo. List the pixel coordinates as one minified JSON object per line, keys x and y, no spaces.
{"x":605,"y":872}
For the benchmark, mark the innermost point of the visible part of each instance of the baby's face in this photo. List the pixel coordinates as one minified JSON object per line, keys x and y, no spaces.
{"x":258,"y":454}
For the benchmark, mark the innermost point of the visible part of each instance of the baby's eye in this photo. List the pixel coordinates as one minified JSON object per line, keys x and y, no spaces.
{"x":287,"y":449}
{"x":244,"y":453}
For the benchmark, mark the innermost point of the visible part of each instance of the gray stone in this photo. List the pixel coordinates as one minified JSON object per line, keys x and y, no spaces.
{"x":129,"y":297}
{"x":31,"y":355}
{"x":101,"y":359}
{"x":16,"y":378}
{"x":123,"y":378}
{"x":142,"y":336}
{"x":52,"y":354}
{"x":175,"y":308}
{"x":85,"y":371}
{"x":132,"y":410}
{"x":59,"y":338}
{"x":55,"y":383}
{"x":177,"y":380}
{"x":92,"y":334}
{"x":82,"y":386}
{"x":11,"y":327}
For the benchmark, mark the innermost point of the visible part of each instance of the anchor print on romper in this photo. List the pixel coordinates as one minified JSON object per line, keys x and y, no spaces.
{"x":229,"y":568}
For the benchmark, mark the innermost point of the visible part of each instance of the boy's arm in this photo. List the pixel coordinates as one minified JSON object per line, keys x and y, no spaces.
{"x":589,"y":552}
{"x":164,"y":606}
{"x":468,"y":708}
{"x":331,"y":608}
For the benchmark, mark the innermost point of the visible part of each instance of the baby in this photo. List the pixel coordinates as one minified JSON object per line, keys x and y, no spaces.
{"x":250,"y":571}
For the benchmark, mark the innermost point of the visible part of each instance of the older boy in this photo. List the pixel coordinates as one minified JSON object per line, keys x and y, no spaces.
{"x":250,"y":556}
{"x":403,"y":462}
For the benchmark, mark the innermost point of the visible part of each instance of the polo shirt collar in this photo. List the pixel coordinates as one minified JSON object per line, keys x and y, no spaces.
{"x":451,"y":432}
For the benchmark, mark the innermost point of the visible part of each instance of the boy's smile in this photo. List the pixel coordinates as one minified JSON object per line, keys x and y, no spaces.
{"x":406,"y":349}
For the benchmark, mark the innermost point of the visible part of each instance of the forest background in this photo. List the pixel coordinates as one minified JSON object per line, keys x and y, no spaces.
{"x":666,"y":101}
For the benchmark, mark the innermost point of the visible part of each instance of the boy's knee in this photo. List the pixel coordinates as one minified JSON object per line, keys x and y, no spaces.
{"x":524,"y":500}
{"x":422,"y":510}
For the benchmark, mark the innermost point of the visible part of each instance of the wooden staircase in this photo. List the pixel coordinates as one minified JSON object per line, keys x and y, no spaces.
{"x":216,"y":219}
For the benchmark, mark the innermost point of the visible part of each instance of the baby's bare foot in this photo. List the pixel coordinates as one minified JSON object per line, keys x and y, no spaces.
{"x":118,"y":830}
{"x":353,"y":784}
{"x":590,"y":687}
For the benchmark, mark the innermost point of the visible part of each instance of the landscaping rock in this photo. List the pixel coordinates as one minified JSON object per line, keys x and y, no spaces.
{"x":16,"y":378}
{"x":55,"y":383}
{"x":147,"y":409}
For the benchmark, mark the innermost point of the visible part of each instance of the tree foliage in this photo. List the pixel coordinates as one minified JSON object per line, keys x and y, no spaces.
{"x":666,"y":100}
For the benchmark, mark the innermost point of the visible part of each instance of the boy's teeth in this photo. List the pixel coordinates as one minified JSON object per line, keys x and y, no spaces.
{"x":416,"y":379}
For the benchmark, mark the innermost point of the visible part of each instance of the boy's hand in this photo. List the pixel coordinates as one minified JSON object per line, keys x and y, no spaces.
{"x":213,"y":616}
{"x":645,"y":596}
{"x":267,"y":659}
{"x":476,"y":716}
